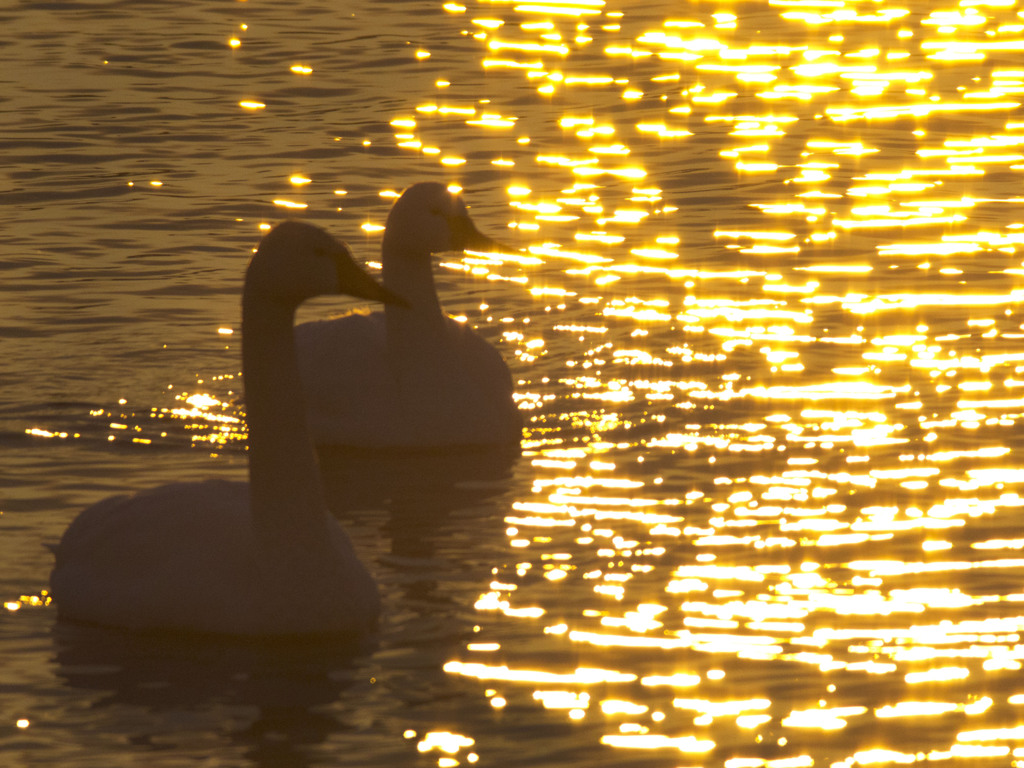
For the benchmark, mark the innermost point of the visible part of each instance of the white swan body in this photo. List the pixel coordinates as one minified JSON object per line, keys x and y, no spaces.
{"x":410,"y":376}
{"x":262,"y":558}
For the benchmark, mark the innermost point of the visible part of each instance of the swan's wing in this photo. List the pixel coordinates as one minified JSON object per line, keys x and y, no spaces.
{"x":459,"y":395}
{"x":486,"y":406}
{"x":482,"y":360}
{"x":145,"y":520}
{"x":351,"y":395}
{"x":184,"y":557}
{"x":339,"y":354}
{"x":157,"y":557}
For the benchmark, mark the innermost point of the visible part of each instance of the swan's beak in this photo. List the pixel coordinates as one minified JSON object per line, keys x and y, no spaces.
{"x":466,"y":237}
{"x":353,"y":281}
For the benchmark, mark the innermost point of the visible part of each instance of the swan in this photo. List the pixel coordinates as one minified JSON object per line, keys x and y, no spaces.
{"x":410,"y":376}
{"x":263,"y":558}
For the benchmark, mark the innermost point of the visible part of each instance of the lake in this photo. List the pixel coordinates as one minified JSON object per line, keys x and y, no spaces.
{"x":761,"y":301}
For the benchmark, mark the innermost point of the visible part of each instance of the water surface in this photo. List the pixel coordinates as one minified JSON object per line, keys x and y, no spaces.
{"x":763,"y":318}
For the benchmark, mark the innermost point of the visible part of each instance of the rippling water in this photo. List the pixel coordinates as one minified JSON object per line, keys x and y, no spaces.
{"x":764,"y":320}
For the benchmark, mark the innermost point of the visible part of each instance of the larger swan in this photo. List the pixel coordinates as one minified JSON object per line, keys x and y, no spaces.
{"x":262,"y":558}
{"x":410,"y":376}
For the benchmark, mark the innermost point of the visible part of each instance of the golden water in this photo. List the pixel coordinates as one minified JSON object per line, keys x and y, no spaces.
{"x":762,"y":305}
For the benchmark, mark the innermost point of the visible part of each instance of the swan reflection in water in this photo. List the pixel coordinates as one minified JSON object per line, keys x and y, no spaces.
{"x":273,"y":698}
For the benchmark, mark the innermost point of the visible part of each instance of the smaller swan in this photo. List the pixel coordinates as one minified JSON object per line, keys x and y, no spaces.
{"x":262,"y":558}
{"x":410,"y":376}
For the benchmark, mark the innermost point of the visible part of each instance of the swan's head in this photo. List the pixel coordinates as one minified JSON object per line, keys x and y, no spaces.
{"x":296,"y":261}
{"x":429,"y":218}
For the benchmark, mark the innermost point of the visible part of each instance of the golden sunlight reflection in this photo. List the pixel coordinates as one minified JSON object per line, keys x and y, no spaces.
{"x":208,"y":415}
{"x":771,"y":436}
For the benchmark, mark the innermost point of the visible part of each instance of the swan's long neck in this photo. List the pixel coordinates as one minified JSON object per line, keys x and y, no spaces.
{"x":284,"y":476}
{"x":414,"y":330}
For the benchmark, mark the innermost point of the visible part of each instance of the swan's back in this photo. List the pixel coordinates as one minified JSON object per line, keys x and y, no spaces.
{"x":114,"y":551}
{"x":184,"y":557}
{"x":460,"y":395}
